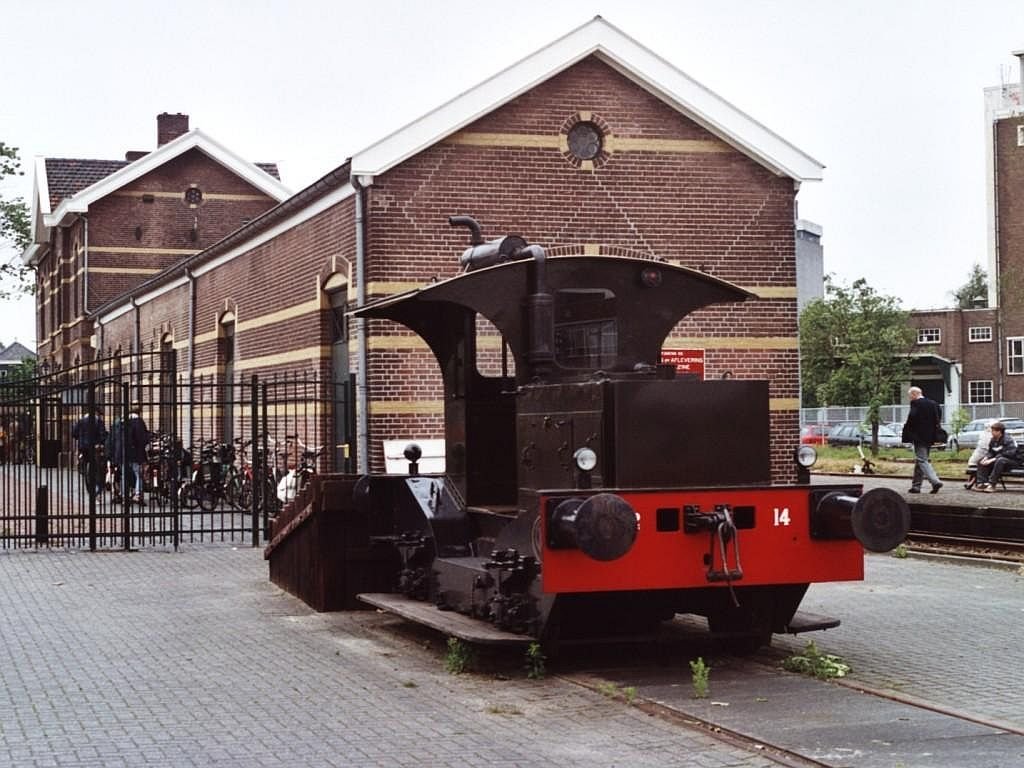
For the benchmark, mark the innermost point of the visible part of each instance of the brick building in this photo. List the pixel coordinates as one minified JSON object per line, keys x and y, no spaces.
{"x":592,"y":145}
{"x":978,"y":354}
{"x":102,"y":227}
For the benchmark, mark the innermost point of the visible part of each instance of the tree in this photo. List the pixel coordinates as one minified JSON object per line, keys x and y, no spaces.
{"x":973,"y":293}
{"x":854,"y":350}
{"x":15,"y":230}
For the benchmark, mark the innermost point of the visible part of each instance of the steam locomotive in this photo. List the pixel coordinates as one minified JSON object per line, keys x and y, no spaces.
{"x":588,"y":488}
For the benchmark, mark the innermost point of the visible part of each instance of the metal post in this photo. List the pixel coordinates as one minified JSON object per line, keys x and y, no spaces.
{"x":174,"y":464}
{"x":42,"y":515}
{"x":254,"y":464}
{"x":126,"y":523}
{"x":265,"y":470}
{"x":90,"y":467}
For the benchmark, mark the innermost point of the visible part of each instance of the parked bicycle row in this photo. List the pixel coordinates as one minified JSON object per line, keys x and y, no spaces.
{"x":129,"y":460}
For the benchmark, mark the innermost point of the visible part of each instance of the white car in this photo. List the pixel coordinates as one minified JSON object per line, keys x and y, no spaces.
{"x":968,"y":436}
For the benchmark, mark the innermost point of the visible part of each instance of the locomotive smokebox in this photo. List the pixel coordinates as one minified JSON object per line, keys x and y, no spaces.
{"x":603,"y":526}
{"x":879,"y":519}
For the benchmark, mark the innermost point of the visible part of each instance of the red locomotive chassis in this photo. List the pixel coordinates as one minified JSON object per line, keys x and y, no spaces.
{"x":778,"y":549}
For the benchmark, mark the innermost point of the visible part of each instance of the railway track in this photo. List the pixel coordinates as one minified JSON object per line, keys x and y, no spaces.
{"x":970,"y":546}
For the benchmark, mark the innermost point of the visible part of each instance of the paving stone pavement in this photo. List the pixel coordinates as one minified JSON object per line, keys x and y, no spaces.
{"x":193,"y":658}
{"x":941,"y":631}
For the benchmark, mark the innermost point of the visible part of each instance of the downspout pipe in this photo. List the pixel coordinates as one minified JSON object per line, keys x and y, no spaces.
{"x":362,"y":378}
{"x":85,"y":264}
{"x":190,"y":372}
{"x":138,"y":346}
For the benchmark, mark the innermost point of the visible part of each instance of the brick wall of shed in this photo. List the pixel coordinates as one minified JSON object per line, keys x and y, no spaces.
{"x":667,"y":188}
{"x":1009,"y":159}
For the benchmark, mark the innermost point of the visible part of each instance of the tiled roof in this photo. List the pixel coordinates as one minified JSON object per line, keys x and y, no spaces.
{"x":15,"y":353}
{"x":65,"y":177}
{"x":270,"y":168}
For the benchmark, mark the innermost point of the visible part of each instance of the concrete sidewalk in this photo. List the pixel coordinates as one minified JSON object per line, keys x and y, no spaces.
{"x":195,"y":659}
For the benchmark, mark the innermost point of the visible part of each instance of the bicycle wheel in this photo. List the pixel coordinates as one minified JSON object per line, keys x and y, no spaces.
{"x":245,"y":493}
{"x":186,"y":495}
{"x":207,"y":495}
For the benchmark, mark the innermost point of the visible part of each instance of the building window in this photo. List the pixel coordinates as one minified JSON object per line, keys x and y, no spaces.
{"x":193,"y":196}
{"x":929,"y":335}
{"x":1020,"y":135}
{"x":979,"y":392}
{"x":1015,"y":355}
{"x":979,"y":333}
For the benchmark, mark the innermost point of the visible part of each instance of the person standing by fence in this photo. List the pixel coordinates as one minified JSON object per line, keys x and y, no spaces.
{"x":136,"y":437}
{"x":920,"y":429}
{"x":91,"y":435}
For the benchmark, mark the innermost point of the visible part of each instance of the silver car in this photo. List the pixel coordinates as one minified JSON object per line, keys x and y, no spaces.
{"x":854,"y":434}
{"x":968,"y":436}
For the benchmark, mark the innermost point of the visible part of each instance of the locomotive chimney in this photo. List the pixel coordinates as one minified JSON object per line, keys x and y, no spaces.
{"x":540,"y":305}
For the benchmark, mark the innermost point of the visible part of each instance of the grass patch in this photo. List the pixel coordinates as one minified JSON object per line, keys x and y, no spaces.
{"x":896,"y":462}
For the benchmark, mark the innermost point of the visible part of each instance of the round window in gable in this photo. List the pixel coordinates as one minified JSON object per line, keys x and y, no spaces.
{"x":585,"y":140}
{"x":193,"y":196}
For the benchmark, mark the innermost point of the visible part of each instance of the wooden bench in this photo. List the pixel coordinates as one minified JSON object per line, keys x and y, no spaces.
{"x":972,"y":476}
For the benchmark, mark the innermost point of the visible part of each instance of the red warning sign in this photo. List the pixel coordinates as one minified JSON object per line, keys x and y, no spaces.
{"x":685,"y":360}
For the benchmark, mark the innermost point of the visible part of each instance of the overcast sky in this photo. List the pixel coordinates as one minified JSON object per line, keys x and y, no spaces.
{"x":887,"y":94}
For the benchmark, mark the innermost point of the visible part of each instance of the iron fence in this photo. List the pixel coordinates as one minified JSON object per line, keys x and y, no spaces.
{"x":898,"y":413}
{"x":214,"y":451}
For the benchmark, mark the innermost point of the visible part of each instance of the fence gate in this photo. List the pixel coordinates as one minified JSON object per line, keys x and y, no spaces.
{"x":209,"y":454}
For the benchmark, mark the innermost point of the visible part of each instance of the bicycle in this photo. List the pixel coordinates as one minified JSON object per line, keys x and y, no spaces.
{"x":291,"y":485}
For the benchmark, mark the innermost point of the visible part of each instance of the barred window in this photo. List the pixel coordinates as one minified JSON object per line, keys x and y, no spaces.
{"x":1015,"y":355}
{"x":979,"y":333}
{"x":979,"y":392}
{"x":929,"y":335}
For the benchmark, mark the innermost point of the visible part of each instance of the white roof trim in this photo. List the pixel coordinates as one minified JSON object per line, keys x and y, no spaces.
{"x":628,"y":57}
{"x":194,"y":139}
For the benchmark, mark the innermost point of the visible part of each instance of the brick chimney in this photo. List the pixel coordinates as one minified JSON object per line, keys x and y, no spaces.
{"x":170,"y":127}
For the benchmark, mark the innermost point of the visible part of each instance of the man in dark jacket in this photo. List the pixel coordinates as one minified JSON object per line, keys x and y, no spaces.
{"x":920,"y":429}
{"x":1003,"y":454}
{"x":91,"y":435}
{"x":136,"y":437}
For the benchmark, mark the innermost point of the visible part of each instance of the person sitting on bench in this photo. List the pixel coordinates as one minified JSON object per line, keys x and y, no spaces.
{"x":1001,"y":455}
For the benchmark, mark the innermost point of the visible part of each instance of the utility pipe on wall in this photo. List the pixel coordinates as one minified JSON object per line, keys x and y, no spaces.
{"x":362,"y":394}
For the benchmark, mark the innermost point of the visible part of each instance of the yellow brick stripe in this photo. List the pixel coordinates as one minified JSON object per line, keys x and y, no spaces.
{"x":124,"y":270}
{"x":773,"y":291}
{"x":181,"y":195}
{"x":406,"y":407}
{"x":612,"y":143}
{"x":783,"y":404}
{"x":143,"y":251}
{"x":734,"y":342}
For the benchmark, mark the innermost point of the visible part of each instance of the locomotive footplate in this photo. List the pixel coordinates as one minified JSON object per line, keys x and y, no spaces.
{"x":449,"y":622}
{"x":810,"y":622}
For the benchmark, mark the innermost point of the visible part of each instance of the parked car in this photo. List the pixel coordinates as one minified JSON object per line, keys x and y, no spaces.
{"x":968,"y":436}
{"x":815,"y":434}
{"x":852,"y":433}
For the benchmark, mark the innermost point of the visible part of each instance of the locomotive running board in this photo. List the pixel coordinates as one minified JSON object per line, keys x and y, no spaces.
{"x":810,"y":622}
{"x":449,"y":622}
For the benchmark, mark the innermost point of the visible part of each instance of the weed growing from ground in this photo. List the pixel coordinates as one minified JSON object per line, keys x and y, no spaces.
{"x":900,"y":551}
{"x":535,"y":659}
{"x":459,"y":657}
{"x":823,"y":666}
{"x":701,"y":672}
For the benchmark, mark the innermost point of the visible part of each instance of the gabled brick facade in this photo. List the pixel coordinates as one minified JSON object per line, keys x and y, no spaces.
{"x":107,"y":246}
{"x":663,"y":185}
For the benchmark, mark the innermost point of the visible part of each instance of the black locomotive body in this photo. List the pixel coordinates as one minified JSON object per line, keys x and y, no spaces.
{"x":588,"y":489}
